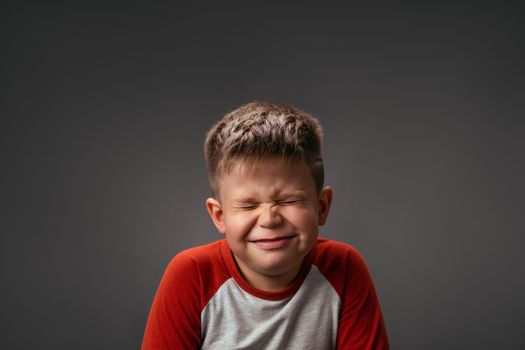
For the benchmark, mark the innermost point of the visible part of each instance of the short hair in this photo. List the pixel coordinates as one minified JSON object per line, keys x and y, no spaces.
{"x":263,"y":129}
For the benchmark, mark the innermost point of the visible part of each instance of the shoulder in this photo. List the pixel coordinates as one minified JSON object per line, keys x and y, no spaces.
{"x":330,"y":251}
{"x":199,"y":257}
{"x":341,"y":264}
{"x":184,"y":290}
{"x":200,"y":270}
{"x":361,"y":325}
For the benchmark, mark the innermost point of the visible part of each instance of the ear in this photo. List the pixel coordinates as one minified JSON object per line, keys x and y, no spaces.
{"x":215,"y":210}
{"x":325,"y":201}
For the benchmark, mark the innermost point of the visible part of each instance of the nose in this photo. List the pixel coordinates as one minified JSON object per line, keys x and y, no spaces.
{"x":270,"y":217}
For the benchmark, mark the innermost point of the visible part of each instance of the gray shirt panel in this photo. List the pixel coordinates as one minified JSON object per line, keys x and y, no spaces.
{"x":235,"y":319}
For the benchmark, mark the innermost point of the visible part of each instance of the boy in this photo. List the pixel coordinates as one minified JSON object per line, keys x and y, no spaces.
{"x":272,"y":283}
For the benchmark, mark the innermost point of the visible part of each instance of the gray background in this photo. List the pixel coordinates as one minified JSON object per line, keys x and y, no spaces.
{"x":104,"y":110}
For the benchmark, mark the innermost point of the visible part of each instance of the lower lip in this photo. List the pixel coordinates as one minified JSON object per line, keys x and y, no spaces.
{"x":273,"y":244}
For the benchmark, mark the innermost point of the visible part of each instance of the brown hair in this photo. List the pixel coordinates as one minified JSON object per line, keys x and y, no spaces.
{"x":261,"y":129}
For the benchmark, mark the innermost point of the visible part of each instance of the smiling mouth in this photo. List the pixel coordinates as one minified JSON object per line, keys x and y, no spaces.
{"x":273,"y":243}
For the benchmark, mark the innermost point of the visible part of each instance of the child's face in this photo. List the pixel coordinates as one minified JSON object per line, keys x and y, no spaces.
{"x":269,"y":212}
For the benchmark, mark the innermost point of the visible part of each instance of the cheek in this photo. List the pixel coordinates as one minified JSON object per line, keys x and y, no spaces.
{"x":301,"y":217}
{"x":239,"y":224}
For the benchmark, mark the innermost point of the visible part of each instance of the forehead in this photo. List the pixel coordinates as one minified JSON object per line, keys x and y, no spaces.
{"x":266,"y":177}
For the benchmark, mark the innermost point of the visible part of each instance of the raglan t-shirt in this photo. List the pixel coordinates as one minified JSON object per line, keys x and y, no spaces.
{"x":203,"y":302}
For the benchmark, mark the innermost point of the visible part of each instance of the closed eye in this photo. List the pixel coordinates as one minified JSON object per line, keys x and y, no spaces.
{"x":246,"y":207}
{"x":292,"y":202}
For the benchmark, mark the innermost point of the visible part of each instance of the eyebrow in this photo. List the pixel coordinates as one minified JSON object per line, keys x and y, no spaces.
{"x":279,"y":196}
{"x":245,"y":200}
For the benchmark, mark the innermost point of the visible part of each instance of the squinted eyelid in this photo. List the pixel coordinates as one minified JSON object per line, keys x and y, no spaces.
{"x":244,"y":206}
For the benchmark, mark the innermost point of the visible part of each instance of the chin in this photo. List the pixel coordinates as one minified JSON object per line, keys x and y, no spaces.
{"x":277,"y":267}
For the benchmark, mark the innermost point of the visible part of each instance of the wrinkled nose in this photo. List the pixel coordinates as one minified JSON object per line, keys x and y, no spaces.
{"x":270,"y":217}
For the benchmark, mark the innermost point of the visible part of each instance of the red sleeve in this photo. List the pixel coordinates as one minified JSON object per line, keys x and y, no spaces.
{"x":361,"y":325}
{"x":174,"y":319}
